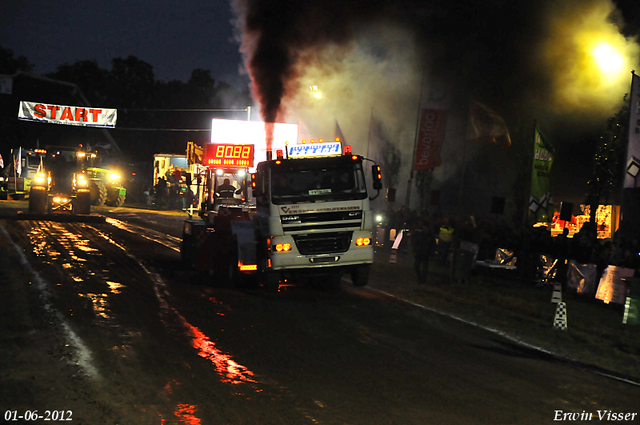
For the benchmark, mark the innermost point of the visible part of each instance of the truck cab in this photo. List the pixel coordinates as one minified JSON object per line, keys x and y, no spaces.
{"x":313,"y":216}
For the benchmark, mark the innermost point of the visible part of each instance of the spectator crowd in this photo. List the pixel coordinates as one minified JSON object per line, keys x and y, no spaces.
{"x":445,"y":238}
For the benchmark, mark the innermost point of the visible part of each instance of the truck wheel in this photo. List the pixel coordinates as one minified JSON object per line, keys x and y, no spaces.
{"x":233,"y":277}
{"x":38,"y":200}
{"x":360,"y":276}
{"x":98,"y":192}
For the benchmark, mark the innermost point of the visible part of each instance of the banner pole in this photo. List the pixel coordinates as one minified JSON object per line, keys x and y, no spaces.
{"x":532,"y":152}
{"x":415,"y":143}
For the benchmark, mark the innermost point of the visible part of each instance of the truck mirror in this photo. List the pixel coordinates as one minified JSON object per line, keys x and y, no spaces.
{"x":377,"y":177}
{"x":188,"y":176}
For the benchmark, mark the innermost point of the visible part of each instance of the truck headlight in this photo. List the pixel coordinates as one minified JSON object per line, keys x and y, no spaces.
{"x":39,"y":179}
{"x":114,"y":176}
{"x":363,"y":241}
{"x":81,"y":181}
{"x":283,"y":247}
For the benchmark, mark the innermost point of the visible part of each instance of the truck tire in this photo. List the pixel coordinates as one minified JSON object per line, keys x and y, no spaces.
{"x":360,"y":275}
{"x":38,"y":200}
{"x":233,"y":277}
{"x":98,"y":192}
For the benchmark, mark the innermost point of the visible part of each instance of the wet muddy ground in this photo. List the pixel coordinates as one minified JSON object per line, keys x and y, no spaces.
{"x":102,"y":321}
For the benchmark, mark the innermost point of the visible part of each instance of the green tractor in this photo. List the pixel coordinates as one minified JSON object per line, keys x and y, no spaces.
{"x":105,"y":187}
{"x":59,"y":184}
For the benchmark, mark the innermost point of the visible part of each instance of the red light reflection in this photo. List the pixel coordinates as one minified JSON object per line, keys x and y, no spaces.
{"x":186,"y":412}
{"x":230,"y":371}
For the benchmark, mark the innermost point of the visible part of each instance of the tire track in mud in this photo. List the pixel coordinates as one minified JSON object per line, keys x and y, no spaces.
{"x":141,"y":348}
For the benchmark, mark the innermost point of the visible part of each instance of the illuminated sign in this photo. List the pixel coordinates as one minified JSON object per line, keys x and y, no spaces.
{"x":238,"y":132}
{"x":315,"y":150}
{"x":228,"y":155}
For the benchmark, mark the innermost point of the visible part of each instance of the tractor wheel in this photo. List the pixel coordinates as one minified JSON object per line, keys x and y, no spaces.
{"x":38,"y":200}
{"x":98,"y":192}
{"x":120,"y":200}
{"x":82,"y":203}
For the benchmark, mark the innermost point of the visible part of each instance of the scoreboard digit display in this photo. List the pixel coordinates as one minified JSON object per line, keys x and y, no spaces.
{"x":228,"y":155}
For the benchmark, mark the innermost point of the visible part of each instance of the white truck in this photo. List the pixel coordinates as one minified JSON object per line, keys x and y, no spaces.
{"x":17,"y":183}
{"x":312,"y":220}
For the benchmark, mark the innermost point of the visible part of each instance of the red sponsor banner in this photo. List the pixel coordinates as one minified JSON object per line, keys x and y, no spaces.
{"x":430,"y":139}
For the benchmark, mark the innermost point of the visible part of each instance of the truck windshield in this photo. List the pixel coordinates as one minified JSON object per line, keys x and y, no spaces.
{"x":317,"y":180}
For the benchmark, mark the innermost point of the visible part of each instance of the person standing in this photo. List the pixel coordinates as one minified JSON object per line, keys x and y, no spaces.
{"x":445,"y":238}
{"x":423,"y":246}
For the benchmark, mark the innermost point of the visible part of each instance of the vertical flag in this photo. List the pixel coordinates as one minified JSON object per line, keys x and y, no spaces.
{"x":540,"y":199}
{"x":431,"y":132}
{"x":17,"y":165}
{"x":377,"y":140}
{"x":633,"y":148}
{"x":303,"y":132}
{"x":339,"y":134}
{"x":485,"y":125}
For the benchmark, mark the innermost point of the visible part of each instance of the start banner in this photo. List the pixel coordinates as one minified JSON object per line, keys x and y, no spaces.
{"x":68,"y":115}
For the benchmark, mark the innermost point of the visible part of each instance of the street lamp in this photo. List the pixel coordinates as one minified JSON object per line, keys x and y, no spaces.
{"x":317,"y":94}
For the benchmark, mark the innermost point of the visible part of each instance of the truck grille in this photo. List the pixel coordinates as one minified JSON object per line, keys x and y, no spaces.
{"x":323,"y":243}
{"x":323,"y":220}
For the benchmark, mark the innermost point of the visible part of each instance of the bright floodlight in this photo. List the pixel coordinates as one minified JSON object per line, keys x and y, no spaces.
{"x":608,"y":59}
{"x":317,"y":95}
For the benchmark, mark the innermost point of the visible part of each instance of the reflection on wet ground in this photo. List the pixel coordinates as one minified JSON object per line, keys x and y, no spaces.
{"x":91,"y":273}
{"x":149,"y":234}
{"x":185,"y":413}
{"x":230,"y":371}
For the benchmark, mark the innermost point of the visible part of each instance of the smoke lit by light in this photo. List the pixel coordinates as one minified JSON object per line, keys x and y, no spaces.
{"x":608,"y":59}
{"x":588,"y":60}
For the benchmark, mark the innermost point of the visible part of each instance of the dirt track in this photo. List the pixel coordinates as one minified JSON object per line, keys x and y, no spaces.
{"x":103,"y":322}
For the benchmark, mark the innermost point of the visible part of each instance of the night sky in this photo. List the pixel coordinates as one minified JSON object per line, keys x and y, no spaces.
{"x":174,"y":37}
{"x":526,"y":60}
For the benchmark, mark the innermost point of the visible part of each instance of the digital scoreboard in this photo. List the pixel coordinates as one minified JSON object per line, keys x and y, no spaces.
{"x":228,"y":155}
